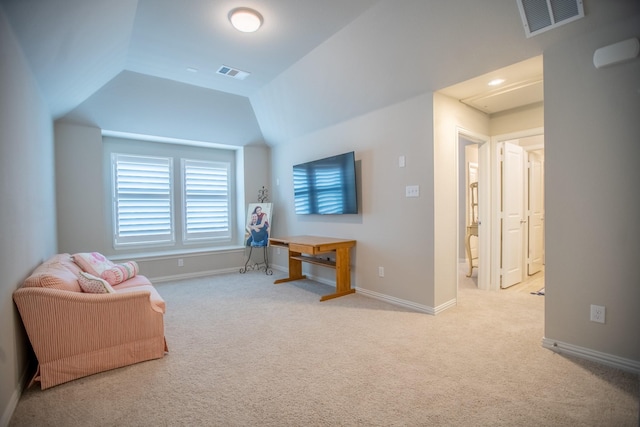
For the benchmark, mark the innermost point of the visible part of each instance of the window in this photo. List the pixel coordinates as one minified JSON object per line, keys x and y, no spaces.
{"x":142,"y":200}
{"x":145,"y":192}
{"x":205,"y":200}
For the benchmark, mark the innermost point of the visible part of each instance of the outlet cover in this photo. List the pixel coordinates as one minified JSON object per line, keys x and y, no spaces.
{"x":597,"y":313}
{"x":412,"y":191}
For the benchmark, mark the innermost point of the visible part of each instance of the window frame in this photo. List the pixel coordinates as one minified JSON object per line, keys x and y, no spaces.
{"x":213,"y":167}
{"x":120,"y":239}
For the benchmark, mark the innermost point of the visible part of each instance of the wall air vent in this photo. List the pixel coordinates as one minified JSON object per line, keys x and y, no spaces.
{"x":233,"y":72}
{"x":539,"y":16}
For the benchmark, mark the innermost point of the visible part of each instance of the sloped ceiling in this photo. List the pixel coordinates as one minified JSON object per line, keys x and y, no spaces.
{"x":90,"y":57}
{"x":123,"y":65}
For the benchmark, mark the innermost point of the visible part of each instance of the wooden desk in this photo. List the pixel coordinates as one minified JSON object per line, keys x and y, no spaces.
{"x":306,"y":248}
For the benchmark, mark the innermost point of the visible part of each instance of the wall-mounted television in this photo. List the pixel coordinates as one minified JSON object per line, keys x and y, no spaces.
{"x":326,"y":186}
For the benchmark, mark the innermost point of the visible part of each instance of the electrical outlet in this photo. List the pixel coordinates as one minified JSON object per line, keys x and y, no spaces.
{"x":380,"y":271}
{"x":180,"y":262}
{"x":412,"y":191}
{"x":597,"y":313}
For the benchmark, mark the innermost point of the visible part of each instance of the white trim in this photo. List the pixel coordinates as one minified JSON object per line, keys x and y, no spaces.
{"x":15,"y":396}
{"x":161,"y":256}
{"x":404,"y":303}
{"x":195,"y":275}
{"x":383,"y":297}
{"x":484,"y":245}
{"x":166,"y":140}
{"x":611,"y":360}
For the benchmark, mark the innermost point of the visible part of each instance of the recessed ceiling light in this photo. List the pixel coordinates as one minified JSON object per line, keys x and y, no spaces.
{"x":192,"y":70}
{"x":496,"y":82}
{"x":245,"y":19}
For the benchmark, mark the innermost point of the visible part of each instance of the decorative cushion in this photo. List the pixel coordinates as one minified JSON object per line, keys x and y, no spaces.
{"x":94,"y":285}
{"x":93,"y":263}
{"x":120,"y":272}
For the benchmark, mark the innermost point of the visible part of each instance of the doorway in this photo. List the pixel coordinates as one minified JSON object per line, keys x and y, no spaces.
{"x":474,"y":206}
{"x":521,"y":207}
{"x":508,"y":248}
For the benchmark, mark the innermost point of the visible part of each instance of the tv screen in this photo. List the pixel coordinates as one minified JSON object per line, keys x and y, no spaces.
{"x":326,"y":186}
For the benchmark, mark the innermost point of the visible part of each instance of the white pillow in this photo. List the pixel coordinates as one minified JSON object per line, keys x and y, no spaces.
{"x":94,"y":285}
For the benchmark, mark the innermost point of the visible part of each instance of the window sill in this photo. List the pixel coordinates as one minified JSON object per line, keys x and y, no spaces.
{"x":160,"y":255}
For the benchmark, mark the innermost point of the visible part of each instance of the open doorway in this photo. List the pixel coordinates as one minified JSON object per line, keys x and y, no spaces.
{"x":475,"y":108}
{"x":501,"y":211}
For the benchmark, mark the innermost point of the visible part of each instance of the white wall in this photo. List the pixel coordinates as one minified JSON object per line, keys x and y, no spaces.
{"x":27,"y":209}
{"x":391,"y":230}
{"x":592,"y":150}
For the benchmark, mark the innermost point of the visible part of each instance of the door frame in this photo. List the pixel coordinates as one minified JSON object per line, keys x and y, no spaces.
{"x":496,"y":196}
{"x":484,"y":208}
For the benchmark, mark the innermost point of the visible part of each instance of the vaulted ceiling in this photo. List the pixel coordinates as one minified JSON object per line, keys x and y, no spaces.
{"x":149,"y":66}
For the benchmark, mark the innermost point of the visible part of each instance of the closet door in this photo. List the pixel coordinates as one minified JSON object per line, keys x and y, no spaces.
{"x":513,"y":215}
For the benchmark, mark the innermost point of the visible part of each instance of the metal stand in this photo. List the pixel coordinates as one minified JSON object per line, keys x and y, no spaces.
{"x":257,"y":265}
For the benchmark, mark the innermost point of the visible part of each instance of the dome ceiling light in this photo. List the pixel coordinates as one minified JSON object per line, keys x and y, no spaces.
{"x":245,"y":19}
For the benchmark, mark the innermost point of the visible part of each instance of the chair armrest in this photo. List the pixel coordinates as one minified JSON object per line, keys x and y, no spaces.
{"x":62,"y":323}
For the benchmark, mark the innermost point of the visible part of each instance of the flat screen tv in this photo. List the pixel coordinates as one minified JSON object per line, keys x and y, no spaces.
{"x":326,"y":186}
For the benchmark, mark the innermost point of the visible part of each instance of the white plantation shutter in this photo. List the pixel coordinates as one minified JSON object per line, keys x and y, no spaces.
{"x":206,"y":200}
{"x":142,"y":200}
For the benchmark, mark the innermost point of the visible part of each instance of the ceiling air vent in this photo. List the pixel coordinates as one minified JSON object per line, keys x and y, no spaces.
{"x":233,"y":72}
{"x":539,"y":16}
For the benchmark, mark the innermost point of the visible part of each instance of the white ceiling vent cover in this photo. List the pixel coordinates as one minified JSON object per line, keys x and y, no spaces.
{"x":233,"y":72}
{"x":539,"y":16}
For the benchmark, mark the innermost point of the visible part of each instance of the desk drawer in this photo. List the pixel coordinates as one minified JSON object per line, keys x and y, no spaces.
{"x":303,"y":249}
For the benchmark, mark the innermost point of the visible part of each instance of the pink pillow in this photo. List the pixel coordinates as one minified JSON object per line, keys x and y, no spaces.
{"x":120,"y":272}
{"x":94,"y":285}
{"x":92,"y":262}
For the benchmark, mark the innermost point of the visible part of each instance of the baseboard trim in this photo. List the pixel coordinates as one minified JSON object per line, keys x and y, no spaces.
{"x":15,"y":396}
{"x":382,"y":297}
{"x":397,"y":301}
{"x":194,"y":275}
{"x":613,"y":361}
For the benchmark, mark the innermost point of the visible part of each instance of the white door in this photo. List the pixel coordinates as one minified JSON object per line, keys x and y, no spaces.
{"x":513,"y":214}
{"x":484,"y":215}
{"x":536,"y":213}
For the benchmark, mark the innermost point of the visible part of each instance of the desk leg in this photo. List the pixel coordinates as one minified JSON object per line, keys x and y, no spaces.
{"x":295,"y":269}
{"x":343,"y":275}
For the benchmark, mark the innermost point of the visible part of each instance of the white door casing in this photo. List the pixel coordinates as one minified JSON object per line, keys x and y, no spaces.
{"x":484,"y":216}
{"x":513,"y":214}
{"x":535,"y":256}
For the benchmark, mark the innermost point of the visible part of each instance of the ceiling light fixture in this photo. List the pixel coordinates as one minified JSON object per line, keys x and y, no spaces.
{"x":496,"y":82}
{"x":245,"y":19}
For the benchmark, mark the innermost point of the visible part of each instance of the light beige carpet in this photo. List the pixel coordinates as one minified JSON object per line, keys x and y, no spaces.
{"x":245,"y":352}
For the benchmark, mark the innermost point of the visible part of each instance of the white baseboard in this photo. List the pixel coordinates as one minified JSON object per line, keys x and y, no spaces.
{"x":383,"y":297}
{"x":397,"y":301}
{"x":628,"y":365}
{"x":193,"y":275}
{"x":15,"y":397}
